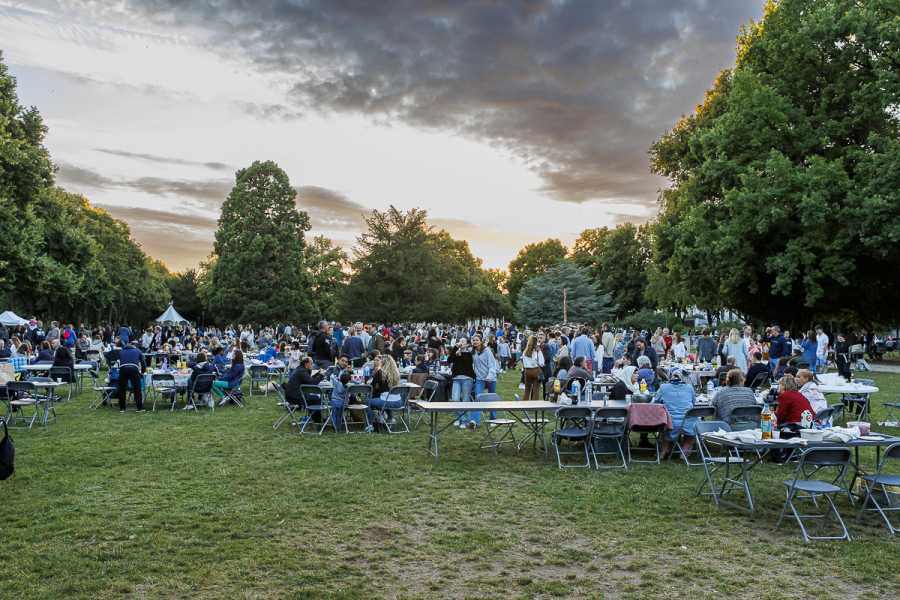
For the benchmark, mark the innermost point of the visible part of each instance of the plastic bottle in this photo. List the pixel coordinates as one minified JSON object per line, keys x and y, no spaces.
{"x":710,"y":387}
{"x":643,"y":386}
{"x":588,"y":392}
{"x":556,"y":386}
{"x":576,"y":391}
{"x":165,"y":368}
{"x":765,"y":422}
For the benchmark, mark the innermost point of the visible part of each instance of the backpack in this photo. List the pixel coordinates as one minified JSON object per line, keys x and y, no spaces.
{"x":7,"y":454}
{"x":67,"y":334}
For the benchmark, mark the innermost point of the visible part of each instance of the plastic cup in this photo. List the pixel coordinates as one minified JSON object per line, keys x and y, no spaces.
{"x":776,"y":434}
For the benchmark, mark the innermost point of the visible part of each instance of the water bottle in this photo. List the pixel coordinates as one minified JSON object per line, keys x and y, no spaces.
{"x":710,"y":389}
{"x":165,"y":368}
{"x":576,"y":390}
{"x":588,"y":392}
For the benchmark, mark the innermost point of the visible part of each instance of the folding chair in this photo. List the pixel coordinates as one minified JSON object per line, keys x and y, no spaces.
{"x":19,"y":405}
{"x":891,"y":406}
{"x":235,"y":394}
{"x":879,"y":479}
{"x":568,"y":389}
{"x":259,"y":373}
{"x":610,"y":423}
{"x":573,"y":424}
{"x":56,"y":373}
{"x":310,"y":406}
{"x":760,"y":380}
{"x":203,"y":382}
{"x":363,"y":394}
{"x":818,"y":458}
{"x":162,"y":386}
{"x":825,"y":416}
{"x":502,"y":425}
{"x":746,"y":414}
{"x":718,"y":462}
{"x":288,"y":409}
{"x":720,"y":380}
{"x":698,"y":412}
{"x":93,"y":372}
{"x":662,"y":375}
{"x":403,"y":392}
{"x":105,"y":394}
{"x":429,"y":389}
{"x":860,"y":400}
{"x":537,"y":424}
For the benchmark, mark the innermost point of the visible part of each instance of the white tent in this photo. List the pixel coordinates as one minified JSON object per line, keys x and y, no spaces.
{"x":171,"y":316}
{"x":11,"y":318}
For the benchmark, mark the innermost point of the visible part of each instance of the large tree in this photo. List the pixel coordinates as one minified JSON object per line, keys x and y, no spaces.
{"x":183,"y":287}
{"x":325,"y":265}
{"x":565,"y":291}
{"x":259,"y":274}
{"x":531,"y":261}
{"x":785,"y":185}
{"x":617,"y":258}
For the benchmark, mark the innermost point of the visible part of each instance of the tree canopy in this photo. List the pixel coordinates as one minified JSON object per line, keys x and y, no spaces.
{"x":402,"y":270}
{"x":784,"y":201}
{"x":259,"y":274}
{"x":542,"y":298}
{"x":531,"y":261}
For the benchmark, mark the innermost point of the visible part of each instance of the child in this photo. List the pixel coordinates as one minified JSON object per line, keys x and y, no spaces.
{"x":294,"y":357}
{"x":339,"y":398}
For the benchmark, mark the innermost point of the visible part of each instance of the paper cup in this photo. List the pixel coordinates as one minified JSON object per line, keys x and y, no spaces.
{"x":776,"y":434}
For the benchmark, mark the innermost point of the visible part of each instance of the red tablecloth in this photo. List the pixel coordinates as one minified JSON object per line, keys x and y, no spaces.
{"x":648,"y":415}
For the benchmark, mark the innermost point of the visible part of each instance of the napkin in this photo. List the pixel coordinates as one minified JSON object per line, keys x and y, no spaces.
{"x":841,"y":434}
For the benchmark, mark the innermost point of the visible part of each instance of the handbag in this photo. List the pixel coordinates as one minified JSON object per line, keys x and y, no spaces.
{"x":7,"y":454}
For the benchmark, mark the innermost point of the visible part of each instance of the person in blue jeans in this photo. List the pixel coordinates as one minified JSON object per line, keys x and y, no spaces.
{"x":339,"y":397}
{"x":486,"y":371}
{"x":463,"y":373}
{"x":385,"y":377}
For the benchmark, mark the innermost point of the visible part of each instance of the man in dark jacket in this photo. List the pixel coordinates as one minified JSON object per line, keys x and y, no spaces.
{"x":131,"y":369}
{"x":321,"y":347}
{"x":303,"y":375}
{"x":778,"y":346}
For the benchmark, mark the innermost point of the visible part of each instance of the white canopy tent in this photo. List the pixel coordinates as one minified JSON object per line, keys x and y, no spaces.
{"x":11,"y":318}
{"x":171,"y":316}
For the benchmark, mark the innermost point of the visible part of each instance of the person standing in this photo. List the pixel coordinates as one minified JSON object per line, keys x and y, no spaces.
{"x":533,"y":363}
{"x":131,"y":369}
{"x":584,"y":346}
{"x":608,"y":341}
{"x":737,"y":347}
{"x":823,"y":345}
{"x":486,"y":370}
{"x":779,"y":345}
{"x":321,"y":347}
{"x":462,"y":370}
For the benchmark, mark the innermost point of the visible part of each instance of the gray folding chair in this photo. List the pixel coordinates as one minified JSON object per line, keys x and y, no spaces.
{"x":859,"y":401}
{"x":817,"y":458}
{"x":204,"y":383}
{"x":400,"y":413}
{"x":891,"y":406}
{"x":573,"y":425}
{"x":698,"y":412}
{"x":880,"y":479}
{"x":429,"y":389}
{"x":760,"y":380}
{"x":106,"y":394}
{"x":259,"y":374}
{"x":502,"y":425}
{"x":363,"y":394}
{"x":725,"y":461}
{"x":163,"y":389}
{"x":64,"y":373}
{"x":321,"y":406}
{"x":20,"y":404}
{"x":609,"y":425}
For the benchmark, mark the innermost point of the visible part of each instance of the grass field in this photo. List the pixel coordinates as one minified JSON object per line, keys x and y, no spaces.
{"x":218,"y":505}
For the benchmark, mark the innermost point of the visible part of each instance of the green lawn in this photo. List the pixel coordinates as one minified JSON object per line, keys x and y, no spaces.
{"x":218,"y":505}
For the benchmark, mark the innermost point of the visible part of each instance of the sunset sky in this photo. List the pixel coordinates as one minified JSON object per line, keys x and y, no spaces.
{"x":509,"y":122}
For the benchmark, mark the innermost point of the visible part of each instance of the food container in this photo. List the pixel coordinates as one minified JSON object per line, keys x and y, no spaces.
{"x":757,"y":433}
{"x":864,"y":428}
{"x":812,"y":435}
{"x":641,"y":398}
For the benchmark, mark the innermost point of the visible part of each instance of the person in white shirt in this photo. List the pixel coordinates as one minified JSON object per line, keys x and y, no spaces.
{"x":821,"y":349}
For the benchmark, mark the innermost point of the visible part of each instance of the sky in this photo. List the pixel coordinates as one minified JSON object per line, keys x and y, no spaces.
{"x":509,"y":122}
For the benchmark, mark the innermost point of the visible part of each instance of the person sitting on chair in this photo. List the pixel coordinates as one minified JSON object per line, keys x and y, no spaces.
{"x":304,"y":375}
{"x":578,"y":370}
{"x":233,"y":378}
{"x":733,"y":396}
{"x":810,"y":390}
{"x":757,"y":367}
{"x":200,"y":367}
{"x":728,"y":366}
{"x":421,"y":365}
{"x":385,"y":378}
{"x":678,"y":397}
{"x":791,"y":402}
{"x":340,"y":399}
{"x":63,"y":358}
{"x":627,"y":384}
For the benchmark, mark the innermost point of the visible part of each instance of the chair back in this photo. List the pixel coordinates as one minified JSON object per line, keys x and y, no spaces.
{"x":488,"y":397}
{"x":20,"y":386}
{"x":569,"y":383}
{"x":308,"y":390}
{"x":662,"y":375}
{"x":825,"y":457}
{"x":431,"y":387}
{"x":166,"y":379}
{"x":760,"y":380}
{"x":359,"y":389}
{"x":402,"y":391}
{"x":825,"y":415}
{"x":747,"y":413}
{"x":259,"y":371}
{"x":893,"y":452}
{"x":64,"y":373}
{"x":700,"y":412}
{"x":577,"y":416}
{"x":701,"y":427}
{"x":204,"y":382}
{"x":610,"y":422}
{"x":722,"y":377}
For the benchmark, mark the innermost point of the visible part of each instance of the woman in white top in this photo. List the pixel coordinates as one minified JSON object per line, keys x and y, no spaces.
{"x":737,"y":347}
{"x":679,"y":349}
{"x":532,"y":361}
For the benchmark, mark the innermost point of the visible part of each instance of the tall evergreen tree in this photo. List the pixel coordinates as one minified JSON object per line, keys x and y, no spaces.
{"x":563,"y":290}
{"x":260,"y":275}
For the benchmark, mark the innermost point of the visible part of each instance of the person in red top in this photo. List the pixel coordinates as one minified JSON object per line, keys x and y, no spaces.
{"x":668,"y":340}
{"x":791,"y":403}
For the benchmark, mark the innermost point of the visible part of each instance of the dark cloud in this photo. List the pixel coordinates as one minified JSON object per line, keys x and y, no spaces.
{"x":215,"y":166}
{"x":578,"y":90}
{"x":331,"y":210}
{"x":206,"y":194}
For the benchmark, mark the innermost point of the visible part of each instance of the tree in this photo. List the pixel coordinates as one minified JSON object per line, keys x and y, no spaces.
{"x":617,"y":259}
{"x":402,"y":270}
{"x":531,"y":261}
{"x":541,"y":298}
{"x":784,"y":201}
{"x":259,"y":275}
{"x":325,"y":263}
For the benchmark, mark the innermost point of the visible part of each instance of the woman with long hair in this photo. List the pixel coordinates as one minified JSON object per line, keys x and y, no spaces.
{"x":533,"y":363}
{"x":658,"y":342}
{"x":486,"y":371}
{"x":386,"y":377}
{"x":737,"y":347}
{"x":233,"y":378}
{"x":810,"y":345}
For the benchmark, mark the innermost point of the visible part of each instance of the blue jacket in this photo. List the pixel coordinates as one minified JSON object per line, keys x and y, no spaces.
{"x":129,"y":355}
{"x":778,"y":346}
{"x":234,"y":376}
{"x":125,"y":334}
{"x":219,"y":360}
{"x":809,"y":351}
{"x":354,"y":347}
